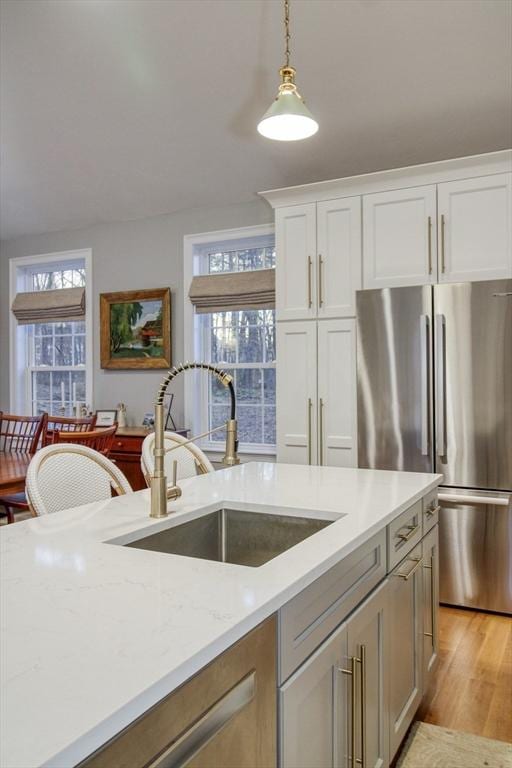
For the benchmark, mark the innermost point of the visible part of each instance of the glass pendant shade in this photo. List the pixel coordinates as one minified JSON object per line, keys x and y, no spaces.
{"x":288,"y":118}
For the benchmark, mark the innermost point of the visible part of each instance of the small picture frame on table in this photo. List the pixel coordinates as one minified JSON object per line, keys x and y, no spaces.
{"x":106,"y":418}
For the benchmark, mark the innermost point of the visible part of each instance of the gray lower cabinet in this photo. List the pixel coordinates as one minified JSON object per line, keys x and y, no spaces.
{"x":313,"y":707}
{"x":405,"y":600}
{"x":366,"y":664}
{"x":430,"y":603}
{"x":350,"y":702}
{"x":333,"y":709}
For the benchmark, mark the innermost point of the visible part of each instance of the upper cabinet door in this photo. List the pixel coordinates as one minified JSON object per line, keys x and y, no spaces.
{"x":296,"y":262}
{"x":475,"y":228}
{"x":339,"y":256}
{"x":399,"y":237}
{"x":296,"y":392}
{"x":337,"y":396}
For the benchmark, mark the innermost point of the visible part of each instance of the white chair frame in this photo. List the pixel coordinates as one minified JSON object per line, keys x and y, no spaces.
{"x":40,"y":497}
{"x":202,"y":463}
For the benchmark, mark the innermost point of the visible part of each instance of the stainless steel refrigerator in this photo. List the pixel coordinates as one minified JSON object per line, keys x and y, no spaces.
{"x":434,"y":368}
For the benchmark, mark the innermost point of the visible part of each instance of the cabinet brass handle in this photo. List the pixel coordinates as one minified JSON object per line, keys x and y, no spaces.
{"x":417,"y":564}
{"x":321,"y":429}
{"x":310,"y":297}
{"x":320,"y":265}
{"x":362,"y":661}
{"x":443,"y":265}
{"x":429,"y":235}
{"x":310,"y":406}
{"x":412,"y":529}
{"x":432,"y":598}
{"x":353,"y":705}
{"x":354,"y":661}
{"x":431,"y":511}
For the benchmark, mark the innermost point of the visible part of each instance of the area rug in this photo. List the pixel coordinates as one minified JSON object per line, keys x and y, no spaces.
{"x":430,"y":746}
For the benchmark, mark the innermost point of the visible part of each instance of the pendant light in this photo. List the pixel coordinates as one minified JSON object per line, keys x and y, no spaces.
{"x":288,"y":118}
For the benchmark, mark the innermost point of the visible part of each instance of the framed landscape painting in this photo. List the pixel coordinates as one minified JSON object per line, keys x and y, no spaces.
{"x":135,"y":328}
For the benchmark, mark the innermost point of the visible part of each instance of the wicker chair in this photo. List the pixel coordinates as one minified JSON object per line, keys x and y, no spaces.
{"x":191,"y":459}
{"x":19,"y":434}
{"x":66,"y":424}
{"x":62,"y":476}
{"x":100,"y":440}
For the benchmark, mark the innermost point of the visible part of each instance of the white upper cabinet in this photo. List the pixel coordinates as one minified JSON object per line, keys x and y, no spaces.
{"x":475,"y":228}
{"x":296,"y":262}
{"x":296,"y":392}
{"x":399,"y":237}
{"x":338,"y":256}
{"x":337,"y":396}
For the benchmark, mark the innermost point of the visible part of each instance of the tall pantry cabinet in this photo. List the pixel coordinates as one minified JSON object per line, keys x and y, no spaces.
{"x":449,"y":221}
{"x":318,"y":271}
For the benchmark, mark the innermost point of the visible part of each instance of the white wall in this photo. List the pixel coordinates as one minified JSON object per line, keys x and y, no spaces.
{"x":145,"y":253}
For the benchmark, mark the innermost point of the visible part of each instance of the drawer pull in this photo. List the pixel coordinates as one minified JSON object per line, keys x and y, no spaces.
{"x":180,"y":752}
{"x":406,"y":576}
{"x":411,"y":530}
{"x":432,"y":511}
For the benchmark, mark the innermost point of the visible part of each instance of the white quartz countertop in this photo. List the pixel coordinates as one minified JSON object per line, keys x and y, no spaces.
{"x":93,"y":634}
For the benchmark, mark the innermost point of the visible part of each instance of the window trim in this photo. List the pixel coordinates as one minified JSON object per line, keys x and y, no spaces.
{"x":194,"y":248}
{"x":19,"y":396}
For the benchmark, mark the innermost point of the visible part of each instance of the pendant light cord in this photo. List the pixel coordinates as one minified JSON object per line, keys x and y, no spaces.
{"x":287,"y":32}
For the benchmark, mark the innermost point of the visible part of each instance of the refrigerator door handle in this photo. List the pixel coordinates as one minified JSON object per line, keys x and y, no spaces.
{"x":424,"y":337}
{"x":466,"y":498}
{"x":440,"y":347}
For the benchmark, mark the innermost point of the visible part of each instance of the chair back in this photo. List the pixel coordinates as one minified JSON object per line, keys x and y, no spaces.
{"x":20,"y":434}
{"x":66,"y":424}
{"x":100,"y":440}
{"x":191,"y":459}
{"x":67,"y":475}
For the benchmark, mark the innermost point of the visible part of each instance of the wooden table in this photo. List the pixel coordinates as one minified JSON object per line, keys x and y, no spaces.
{"x":13,"y":470}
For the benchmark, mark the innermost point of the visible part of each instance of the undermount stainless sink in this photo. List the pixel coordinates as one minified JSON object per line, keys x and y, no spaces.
{"x":233,"y":536}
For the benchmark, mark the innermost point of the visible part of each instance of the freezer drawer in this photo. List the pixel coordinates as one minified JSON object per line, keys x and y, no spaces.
{"x":475,"y":549}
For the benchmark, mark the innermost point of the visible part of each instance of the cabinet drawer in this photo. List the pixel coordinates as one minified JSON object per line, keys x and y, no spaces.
{"x":404,"y":533}
{"x":430,"y":511}
{"x":313,"y":614}
{"x":127,"y":444}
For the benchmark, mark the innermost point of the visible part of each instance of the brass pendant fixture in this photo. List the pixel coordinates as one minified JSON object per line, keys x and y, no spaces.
{"x":288,"y":118}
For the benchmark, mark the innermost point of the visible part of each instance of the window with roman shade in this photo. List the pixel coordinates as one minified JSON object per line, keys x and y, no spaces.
{"x":50,"y":336}
{"x":233,"y":294}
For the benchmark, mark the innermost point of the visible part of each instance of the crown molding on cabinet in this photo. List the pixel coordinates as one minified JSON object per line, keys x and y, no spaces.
{"x":395,"y":178}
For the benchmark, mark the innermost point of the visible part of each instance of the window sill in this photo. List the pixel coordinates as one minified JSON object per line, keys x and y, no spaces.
{"x":215,"y":454}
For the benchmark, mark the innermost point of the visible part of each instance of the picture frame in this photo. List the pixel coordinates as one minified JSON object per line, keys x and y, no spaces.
{"x":135,"y":329}
{"x":148,"y":420}
{"x":106,"y":418}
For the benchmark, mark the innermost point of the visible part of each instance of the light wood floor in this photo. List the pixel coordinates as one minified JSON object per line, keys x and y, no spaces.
{"x":472,"y":687}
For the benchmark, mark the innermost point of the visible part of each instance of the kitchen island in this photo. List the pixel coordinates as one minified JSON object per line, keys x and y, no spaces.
{"x":94,"y":633}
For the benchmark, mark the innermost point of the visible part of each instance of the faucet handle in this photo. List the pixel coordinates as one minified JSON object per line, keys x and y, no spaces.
{"x":174,"y":491}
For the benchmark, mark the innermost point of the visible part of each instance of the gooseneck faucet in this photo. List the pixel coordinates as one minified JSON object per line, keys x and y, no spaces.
{"x":159,"y":491}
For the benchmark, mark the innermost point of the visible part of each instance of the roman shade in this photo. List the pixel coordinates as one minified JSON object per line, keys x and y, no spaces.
{"x":234,"y":290}
{"x":56,"y":306}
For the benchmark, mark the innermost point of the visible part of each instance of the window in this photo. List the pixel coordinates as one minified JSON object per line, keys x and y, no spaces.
{"x":51,"y":358}
{"x":241,"y":342}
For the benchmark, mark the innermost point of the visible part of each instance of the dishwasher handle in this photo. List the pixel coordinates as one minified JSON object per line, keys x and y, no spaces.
{"x":468,"y":498}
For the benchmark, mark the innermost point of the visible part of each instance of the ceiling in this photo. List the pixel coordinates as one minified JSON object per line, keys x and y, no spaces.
{"x":121,"y":109}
